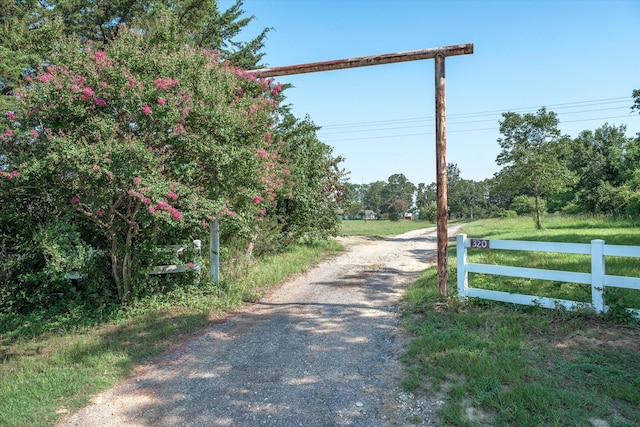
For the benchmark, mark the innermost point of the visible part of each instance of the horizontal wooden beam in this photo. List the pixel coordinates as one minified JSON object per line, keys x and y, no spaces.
{"x":364,"y":61}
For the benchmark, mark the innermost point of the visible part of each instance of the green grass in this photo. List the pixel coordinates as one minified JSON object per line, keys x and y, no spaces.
{"x":508,"y":365}
{"x":52,"y":363}
{"x":380,"y":228}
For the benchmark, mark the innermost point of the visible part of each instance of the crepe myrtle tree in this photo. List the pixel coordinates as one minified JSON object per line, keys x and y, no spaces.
{"x":140,"y":141}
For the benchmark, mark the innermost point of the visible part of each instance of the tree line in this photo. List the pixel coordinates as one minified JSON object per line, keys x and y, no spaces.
{"x":597,"y":172}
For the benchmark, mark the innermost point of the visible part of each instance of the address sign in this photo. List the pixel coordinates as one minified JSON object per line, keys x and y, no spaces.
{"x":479,"y":243}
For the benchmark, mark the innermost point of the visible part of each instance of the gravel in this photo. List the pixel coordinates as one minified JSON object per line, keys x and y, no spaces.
{"x":322,"y":349}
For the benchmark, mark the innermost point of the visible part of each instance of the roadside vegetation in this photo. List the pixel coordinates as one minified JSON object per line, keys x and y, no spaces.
{"x":501,"y":364}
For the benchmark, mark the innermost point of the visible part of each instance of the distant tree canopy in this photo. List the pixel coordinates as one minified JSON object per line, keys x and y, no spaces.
{"x":597,"y":172}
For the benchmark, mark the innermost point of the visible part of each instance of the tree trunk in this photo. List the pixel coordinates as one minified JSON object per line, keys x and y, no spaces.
{"x":115,"y":267}
{"x":538,"y":213}
{"x":127,"y":261}
{"x":126,"y":273}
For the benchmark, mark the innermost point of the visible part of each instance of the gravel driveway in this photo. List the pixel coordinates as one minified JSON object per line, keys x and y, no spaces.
{"x":320,"y":350}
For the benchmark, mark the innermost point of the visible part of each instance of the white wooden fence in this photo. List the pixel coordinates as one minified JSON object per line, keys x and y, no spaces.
{"x":597,"y":279}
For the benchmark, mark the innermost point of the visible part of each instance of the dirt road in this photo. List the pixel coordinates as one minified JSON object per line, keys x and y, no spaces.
{"x":321,"y":350}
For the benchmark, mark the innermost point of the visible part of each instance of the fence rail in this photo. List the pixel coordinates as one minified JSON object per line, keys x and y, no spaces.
{"x":194,"y":265}
{"x":597,"y":279}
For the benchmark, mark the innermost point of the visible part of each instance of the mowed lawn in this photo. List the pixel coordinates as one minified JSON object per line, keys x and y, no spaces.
{"x":380,"y":228}
{"x":499,"y":364}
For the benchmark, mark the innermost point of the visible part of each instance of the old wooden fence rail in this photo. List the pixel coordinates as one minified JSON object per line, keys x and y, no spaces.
{"x":597,"y":279}
{"x":193,"y":264}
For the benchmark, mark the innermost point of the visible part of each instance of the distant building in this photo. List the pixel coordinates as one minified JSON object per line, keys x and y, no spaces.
{"x":367,"y":214}
{"x":408,"y":216}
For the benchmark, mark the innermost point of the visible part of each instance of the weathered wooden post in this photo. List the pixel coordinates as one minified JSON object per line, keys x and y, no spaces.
{"x":441,"y":176}
{"x":214,"y":251}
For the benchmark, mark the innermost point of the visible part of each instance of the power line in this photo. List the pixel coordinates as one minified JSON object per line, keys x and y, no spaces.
{"x":453,"y":131}
{"x":566,"y":105}
{"x":454,"y":122}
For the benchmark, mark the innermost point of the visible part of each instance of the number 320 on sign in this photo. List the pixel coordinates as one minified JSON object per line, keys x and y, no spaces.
{"x":479,"y":244}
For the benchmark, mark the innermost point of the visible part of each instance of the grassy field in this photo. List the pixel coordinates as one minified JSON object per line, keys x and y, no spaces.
{"x":380,"y":228}
{"x":501,"y":364}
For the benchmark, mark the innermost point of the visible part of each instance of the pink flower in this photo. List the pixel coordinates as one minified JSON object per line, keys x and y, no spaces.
{"x":101,"y":55}
{"x":257,"y":199}
{"x":87,"y":93}
{"x":286,"y":171}
{"x":137,"y":180}
{"x":162,"y":101}
{"x":276,"y":90}
{"x":191,"y":265}
{"x":146,"y":109}
{"x":100,"y":212}
{"x":11,"y":115}
{"x":44,"y":78}
{"x":34,"y":134}
{"x":175,"y":214}
{"x":100,"y":102}
{"x":74,"y":200}
{"x":164,"y":83}
{"x":262,"y":153}
{"x":104,"y":84}
{"x":172,"y":195}
{"x":8,"y":133}
{"x":10,"y":175}
{"x":146,"y":201}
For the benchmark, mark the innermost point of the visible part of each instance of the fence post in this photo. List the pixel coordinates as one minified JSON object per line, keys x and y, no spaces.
{"x":214,"y":251}
{"x":197,"y":262}
{"x":597,"y":275}
{"x":461,"y":258}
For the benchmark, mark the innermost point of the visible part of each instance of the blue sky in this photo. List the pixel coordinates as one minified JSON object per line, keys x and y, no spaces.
{"x":580,"y":59}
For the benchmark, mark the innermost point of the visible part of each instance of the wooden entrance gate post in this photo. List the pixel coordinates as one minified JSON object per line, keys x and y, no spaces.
{"x":441,"y":177}
{"x":439,"y":53}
